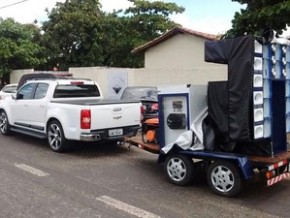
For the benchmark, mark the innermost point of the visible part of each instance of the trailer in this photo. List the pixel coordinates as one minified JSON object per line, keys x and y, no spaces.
{"x":235,"y":129}
{"x":226,"y":173}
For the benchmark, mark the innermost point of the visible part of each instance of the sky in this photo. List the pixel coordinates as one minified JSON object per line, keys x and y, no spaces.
{"x":208,"y":16}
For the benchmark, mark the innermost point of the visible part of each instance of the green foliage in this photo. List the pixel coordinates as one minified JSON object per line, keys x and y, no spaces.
{"x":79,"y":34}
{"x":72,"y":34}
{"x":119,"y":42}
{"x":151,"y":19}
{"x":260,"y":15}
{"x":135,"y":26}
{"x":19,"y":48}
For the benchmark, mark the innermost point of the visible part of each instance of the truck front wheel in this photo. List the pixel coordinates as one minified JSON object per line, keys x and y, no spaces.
{"x":55,"y":135}
{"x":179,"y":169}
{"x":224,"y":178}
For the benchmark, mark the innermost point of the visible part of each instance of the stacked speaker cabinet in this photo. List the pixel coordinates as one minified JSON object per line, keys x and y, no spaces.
{"x":258,"y":106}
{"x":275,"y":91}
{"x":287,"y":71}
{"x":258,"y":94}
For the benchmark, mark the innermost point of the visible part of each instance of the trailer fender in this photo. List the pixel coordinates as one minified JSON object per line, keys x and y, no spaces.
{"x":162,"y":156}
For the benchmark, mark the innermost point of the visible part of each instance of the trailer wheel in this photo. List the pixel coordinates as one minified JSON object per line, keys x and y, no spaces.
{"x":224,"y":178}
{"x":55,"y":136}
{"x":4,"y":124}
{"x":179,"y":169}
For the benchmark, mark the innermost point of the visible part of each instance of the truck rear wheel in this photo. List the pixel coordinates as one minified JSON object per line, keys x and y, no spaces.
{"x":224,"y":178}
{"x":179,"y":169}
{"x":4,"y":123}
{"x":55,"y":136}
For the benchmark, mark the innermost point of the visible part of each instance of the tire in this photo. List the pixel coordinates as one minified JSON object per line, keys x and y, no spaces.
{"x":179,"y":169}
{"x":4,"y":124}
{"x":224,"y":178}
{"x":55,"y":136}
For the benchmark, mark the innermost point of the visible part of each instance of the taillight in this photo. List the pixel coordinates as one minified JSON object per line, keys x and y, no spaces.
{"x":76,"y":83}
{"x":85,"y":119}
{"x":270,"y":174}
{"x":154,"y":107}
{"x":142,"y":111}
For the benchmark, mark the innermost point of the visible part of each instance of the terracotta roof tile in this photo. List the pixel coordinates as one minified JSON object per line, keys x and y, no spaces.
{"x":171,"y":33}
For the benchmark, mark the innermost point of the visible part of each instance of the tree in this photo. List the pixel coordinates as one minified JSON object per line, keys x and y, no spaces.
{"x":143,"y":22}
{"x":259,"y":16}
{"x":72,"y":33}
{"x":78,"y":33}
{"x":19,"y":47}
{"x":151,"y":19}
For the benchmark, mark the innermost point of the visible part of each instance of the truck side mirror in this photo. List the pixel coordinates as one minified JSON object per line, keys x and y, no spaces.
{"x":19,"y":96}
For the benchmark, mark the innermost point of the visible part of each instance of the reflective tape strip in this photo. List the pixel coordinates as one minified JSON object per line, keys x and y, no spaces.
{"x":277,"y":179}
{"x":277,"y":165}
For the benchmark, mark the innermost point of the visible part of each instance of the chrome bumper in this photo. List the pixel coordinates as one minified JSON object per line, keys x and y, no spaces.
{"x":103,"y":134}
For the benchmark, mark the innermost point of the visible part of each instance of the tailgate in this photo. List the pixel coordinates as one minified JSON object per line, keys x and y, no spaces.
{"x":110,"y":116}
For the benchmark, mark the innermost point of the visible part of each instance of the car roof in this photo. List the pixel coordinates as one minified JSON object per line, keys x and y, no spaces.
{"x":40,"y":76}
{"x":63,"y":81}
{"x":11,"y":84}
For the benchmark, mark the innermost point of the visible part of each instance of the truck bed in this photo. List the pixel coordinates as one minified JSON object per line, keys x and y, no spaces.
{"x":93,"y":101}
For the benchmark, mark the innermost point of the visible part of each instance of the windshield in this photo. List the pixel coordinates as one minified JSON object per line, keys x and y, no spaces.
{"x":9,"y":89}
{"x":140,"y":93}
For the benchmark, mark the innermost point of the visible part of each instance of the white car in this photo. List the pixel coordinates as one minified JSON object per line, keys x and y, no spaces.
{"x":8,"y":90}
{"x":68,"y":109}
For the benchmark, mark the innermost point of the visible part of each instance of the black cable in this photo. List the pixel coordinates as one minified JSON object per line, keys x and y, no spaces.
{"x":6,"y":6}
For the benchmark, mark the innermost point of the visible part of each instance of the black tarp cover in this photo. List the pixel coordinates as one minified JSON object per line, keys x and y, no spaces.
{"x":238,"y":54}
{"x":217,"y":95}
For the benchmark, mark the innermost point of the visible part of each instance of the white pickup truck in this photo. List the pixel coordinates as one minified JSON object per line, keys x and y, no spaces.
{"x":62,"y":110}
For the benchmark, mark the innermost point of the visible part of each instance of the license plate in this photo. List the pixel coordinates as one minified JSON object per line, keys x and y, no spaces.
{"x":115,"y":132}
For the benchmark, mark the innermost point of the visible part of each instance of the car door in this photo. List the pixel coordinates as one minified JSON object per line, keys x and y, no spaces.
{"x":38,"y":107}
{"x":20,"y":105}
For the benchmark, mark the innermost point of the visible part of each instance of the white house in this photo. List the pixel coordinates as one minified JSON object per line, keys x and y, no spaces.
{"x":177,"y":57}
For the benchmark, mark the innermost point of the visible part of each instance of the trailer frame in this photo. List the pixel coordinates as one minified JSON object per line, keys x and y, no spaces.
{"x":235,"y":167}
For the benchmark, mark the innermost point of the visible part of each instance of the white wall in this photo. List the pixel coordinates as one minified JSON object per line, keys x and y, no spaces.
{"x":150,"y":77}
{"x":16,"y":74}
{"x":143,"y":76}
{"x":157,"y":77}
{"x":182,"y":51}
{"x":107,"y":78}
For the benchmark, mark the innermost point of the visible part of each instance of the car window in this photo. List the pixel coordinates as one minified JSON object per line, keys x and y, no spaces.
{"x":26,"y":91}
{"x":9,"y":89}
{"x":41,"y":90}
{"x":75,"y":90}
